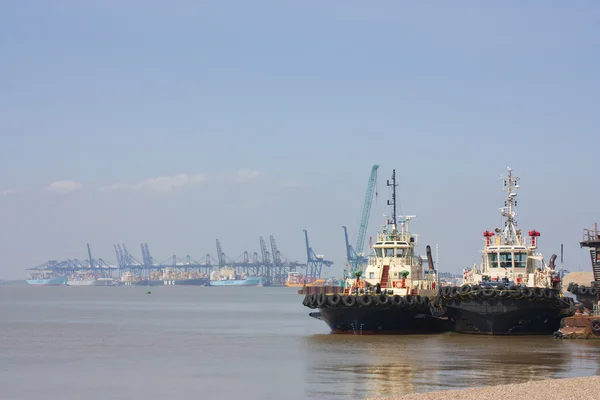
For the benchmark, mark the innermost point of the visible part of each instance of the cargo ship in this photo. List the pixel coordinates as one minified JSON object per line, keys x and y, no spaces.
{"x":228,"y":277}
{"x":92,"y":282}
{"x":187,"y":282}
{"x":513,"y":291}
{"x":130,"y":279}
{"x":588,"y":296}
{"x":90,"y":279}
{"x":172,"y":276}
{"x":46,"y":278}
{"x":393,"y":297}
{"x":250,"y":281}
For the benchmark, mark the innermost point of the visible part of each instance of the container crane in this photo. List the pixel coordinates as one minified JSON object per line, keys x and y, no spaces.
{"x":356,"y":257}
{"x":314,"y":262}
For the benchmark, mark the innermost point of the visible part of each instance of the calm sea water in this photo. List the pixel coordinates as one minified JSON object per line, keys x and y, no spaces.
{"x":245,"y":343}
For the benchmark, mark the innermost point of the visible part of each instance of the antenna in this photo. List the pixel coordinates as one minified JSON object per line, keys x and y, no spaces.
{"x":393,"y":202}
{"x":510,"y":185}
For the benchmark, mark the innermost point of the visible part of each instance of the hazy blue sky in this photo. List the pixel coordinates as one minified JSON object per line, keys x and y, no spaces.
{"x":179,"y":122}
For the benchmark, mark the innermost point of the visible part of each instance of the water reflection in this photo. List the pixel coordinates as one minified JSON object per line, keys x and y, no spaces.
{"x":365,"y":366}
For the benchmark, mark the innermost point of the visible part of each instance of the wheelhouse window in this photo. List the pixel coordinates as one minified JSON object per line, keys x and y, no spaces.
{"x":400,"y":253}
{"x":520,"y":260}
{"x":389,"y":252}
{"x":506,"y":260}
{"x":378,"y":252}
{"x":493,"y":260}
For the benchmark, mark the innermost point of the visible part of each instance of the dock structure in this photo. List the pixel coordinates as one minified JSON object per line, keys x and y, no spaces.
{"x":71,"y":266}
{"x":271,"y":264}
{"x":591,"y":240}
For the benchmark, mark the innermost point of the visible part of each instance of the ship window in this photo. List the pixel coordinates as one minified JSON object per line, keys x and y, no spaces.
{"x":520,"y":260}
{"x":399,"y":252}
{"x":371,"y":275}
{"x":493,"y":260}
{"x":506,"y":260}
{"x":378,"y":252}
{"x":389,"y":252}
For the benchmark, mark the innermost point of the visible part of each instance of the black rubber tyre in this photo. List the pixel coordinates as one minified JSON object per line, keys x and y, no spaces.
{"x":409,"y":301}
{"x":322,"y":300}
{"x":596,"y":326}
{"x":488,"y":293}
{"x":383,"y":301}
{"x":464,"y":289}
{"x":527,"y":293}
{"x":593,"y":291}
{"x":365,"y":301}
{"x":397,"y":301}
{"x":349,"y":301}
{"x":538,"y":293}
{"x":335,"y":300}
{"x":583,"y":290}
{"x":306,"y":300}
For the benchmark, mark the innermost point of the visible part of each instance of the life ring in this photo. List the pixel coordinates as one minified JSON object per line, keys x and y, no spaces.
{"x":361,"y":284}
{"x":398,"y":284}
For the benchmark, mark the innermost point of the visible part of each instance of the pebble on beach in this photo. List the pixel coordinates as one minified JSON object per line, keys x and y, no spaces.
{"x":564,"y":389}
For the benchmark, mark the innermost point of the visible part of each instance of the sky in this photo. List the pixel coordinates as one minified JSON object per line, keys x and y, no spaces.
{"x":177,"y":123}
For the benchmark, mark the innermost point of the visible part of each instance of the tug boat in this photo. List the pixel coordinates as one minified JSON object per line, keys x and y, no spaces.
{"x":393,"y":297}
{"x":588,"y":295}
{"x":513,"y":291}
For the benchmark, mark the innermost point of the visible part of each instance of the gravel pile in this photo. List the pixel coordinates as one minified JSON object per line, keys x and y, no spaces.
{"x":563,"y":389}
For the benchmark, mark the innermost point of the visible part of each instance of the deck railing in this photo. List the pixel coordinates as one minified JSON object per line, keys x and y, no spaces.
{"x":590,"y":235}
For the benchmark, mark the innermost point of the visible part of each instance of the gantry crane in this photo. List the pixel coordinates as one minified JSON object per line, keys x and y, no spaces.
{"x":356,"y":257}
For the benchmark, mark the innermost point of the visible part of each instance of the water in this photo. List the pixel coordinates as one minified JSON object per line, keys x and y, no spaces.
{"x":244,"y":343}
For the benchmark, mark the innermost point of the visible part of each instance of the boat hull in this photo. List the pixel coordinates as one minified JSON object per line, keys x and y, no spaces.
{"x":361,"y":321}
{"x":188,"y":282}
{"x":506,"y":316}
{"x":56,"y":281}
{"x":362,"y":316}
{"x":92,"y":282}
{"x":144,"y":282}
{"x":252,"y":281}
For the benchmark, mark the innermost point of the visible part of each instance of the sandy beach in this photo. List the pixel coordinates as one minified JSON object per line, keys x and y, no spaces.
{"x":564,"y":389}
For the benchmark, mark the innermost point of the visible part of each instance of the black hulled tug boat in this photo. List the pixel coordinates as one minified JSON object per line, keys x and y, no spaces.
{"x":392,"y":295}
{"x":513,"y":291}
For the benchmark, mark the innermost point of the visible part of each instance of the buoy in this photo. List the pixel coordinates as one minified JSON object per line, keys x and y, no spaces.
{"x":148,"y":292}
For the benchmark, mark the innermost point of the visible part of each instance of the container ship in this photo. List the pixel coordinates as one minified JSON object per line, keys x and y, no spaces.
{"x":130,"y":279}
{"x":170,"y":277}
{"x":90,"y":279}
{"x":228,"y":277}
{"x":46,"y":278}
{"x":513,"y":291}
{"x":393,"y":297}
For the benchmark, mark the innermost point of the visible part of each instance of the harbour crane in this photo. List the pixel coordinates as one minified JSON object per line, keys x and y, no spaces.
{"x":314,"y":262}
{"x":356,"y":257}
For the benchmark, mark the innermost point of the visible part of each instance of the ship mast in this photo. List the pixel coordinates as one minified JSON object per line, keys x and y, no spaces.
{"x":393,"y":202}
{"x":510,"y":232}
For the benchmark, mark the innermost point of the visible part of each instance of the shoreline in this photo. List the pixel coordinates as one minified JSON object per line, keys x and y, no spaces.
{"x":582,"y":388}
